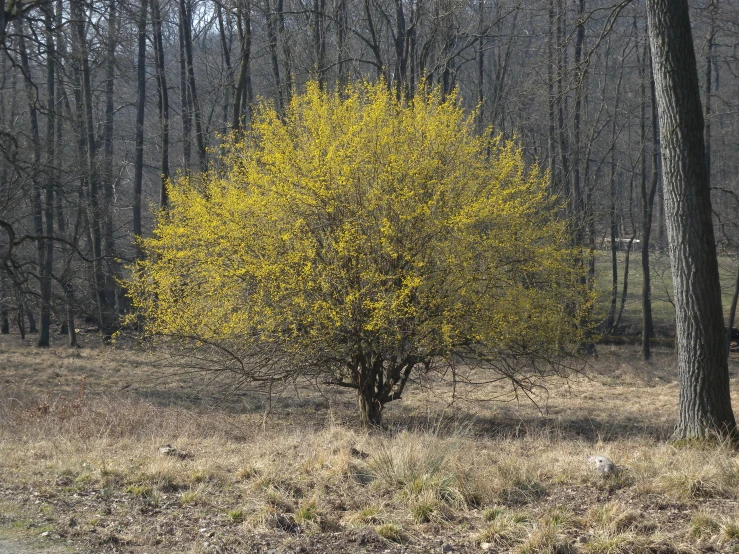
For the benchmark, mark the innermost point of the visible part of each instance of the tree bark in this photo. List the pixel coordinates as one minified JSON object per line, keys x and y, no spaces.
{"x":242,"y":92}
{"x":709,"y":84}
{"x":140,"y":110}
{"x":105,"y":318}
{"x":226,"y":41}
{"x":551,"y":99}
{"x":38,"y":221}
{"x":319,"y":41}
{"x":562,"y":40}
{"x":704,"y":404}
{"x":647,"y":208}
{"x":186,"y":30}
{"x":185,"y":111}
{"x":577,"y":196}
{"x":272,"y":40}
{"x":106,"y":207}
{"x":48,"y":254}
{"x":163,"y":96}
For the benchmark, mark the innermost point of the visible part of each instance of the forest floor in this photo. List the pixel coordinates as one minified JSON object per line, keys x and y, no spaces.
{"x":81,"y":467}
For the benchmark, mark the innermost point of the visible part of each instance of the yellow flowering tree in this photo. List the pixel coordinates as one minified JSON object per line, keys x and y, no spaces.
{"x":358,"y":239}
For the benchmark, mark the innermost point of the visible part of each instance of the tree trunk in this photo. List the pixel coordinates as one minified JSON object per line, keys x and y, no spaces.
{"x":562,"y":95}
{"x":370,"y":409}
{"x":226,"y":41}
{"x":319,"y":41}
{"x":286,"y":51}
{"x":242,"y":91}
{"x":44,"y":335}
{"x":106,"y":207}
{"x":709,"y":85}
{"x":140,"y":110}
{"x":551,"y":99}
{"x":577,"y":195}
{"x":105,"y":318}
{"x":342,"y":25}
{"x":272,"y":40}
{"x":184,"y":98}
{"x":186,"y":26}
{"x":480,"y":66}
{"x":19,"y":319}
{"x":38,"y":221}
{"x":705,"y":403}
{"x":163,"y":96}
{"x":647,"y":209}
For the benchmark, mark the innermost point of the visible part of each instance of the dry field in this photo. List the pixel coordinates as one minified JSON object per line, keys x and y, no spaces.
{"x":81,"y":471}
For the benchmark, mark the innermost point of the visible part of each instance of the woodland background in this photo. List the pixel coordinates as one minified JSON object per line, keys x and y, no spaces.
{"x":101,"y":102}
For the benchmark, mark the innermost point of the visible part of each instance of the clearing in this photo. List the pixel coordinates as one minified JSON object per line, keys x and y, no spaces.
{"x":81,"y":468}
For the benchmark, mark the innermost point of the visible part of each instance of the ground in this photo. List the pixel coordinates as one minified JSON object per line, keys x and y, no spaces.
{"x":83,"y":468}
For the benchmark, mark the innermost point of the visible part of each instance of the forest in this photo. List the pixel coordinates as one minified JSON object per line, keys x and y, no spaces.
{"x":104,"y":102}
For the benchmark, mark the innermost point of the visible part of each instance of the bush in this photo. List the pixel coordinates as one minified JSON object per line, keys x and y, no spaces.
{"x":358,"y":239}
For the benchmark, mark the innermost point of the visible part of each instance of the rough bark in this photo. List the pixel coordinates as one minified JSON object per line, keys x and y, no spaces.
{"x":704,"y":404}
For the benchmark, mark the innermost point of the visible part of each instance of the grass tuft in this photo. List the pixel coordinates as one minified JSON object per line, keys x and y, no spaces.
{"x":390,"y":531}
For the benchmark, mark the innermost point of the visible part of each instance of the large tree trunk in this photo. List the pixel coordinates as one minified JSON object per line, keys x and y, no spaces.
{"x":705,"y":404}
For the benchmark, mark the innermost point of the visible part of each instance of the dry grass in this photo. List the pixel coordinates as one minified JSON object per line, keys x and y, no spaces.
{"x":80,"y":462}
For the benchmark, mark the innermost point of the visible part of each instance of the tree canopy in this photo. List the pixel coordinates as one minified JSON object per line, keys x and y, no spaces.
{"x":357,"y":238}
